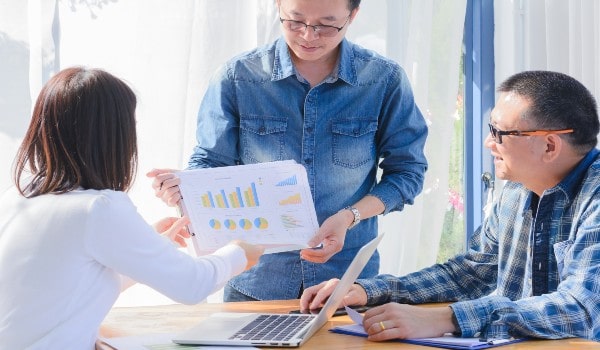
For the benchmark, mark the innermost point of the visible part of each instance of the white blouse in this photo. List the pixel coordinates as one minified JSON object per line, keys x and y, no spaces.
{"x":62,"y":259}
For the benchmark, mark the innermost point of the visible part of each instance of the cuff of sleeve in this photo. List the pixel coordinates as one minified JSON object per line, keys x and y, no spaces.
{"x":389,"y":196}
{"x":457,"y":332}
{"x":378,"y":291}
{"x":236,"y":255}
{"x":469,"y":316}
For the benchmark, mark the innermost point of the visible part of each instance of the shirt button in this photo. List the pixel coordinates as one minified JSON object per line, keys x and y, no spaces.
{"x":309,"y":130}
{"x":262,"y":130}
{"x":308,"y":161}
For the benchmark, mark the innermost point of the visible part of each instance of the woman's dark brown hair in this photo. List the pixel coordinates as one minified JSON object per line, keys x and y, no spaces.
{"x":82,"y":135}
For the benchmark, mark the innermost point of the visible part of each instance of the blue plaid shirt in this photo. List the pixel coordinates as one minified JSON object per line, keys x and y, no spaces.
{"x":525,"y":274}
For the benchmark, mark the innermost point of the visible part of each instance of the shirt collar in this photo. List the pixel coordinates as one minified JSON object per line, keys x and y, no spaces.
{"x":572,"y":182}
{"x":347,"y":65}
{"x":283,"y":66}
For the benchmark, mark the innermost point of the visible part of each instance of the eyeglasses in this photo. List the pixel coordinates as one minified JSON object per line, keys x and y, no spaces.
{"x":497,"y":134}
{"x":320,"y":29}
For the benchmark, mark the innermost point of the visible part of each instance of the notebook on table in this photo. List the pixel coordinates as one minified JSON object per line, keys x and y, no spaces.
{"x":275,"y":330}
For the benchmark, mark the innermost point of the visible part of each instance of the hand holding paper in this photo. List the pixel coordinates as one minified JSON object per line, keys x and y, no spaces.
{"x":253,"y":252}
{"x":331,"y":236}
{"x":166,"y":185}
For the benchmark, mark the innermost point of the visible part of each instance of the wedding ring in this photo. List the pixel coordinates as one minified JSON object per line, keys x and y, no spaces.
{"x":382,"y":326}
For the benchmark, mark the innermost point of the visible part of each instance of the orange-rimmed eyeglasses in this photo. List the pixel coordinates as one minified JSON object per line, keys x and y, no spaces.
{"x":497,"y":133}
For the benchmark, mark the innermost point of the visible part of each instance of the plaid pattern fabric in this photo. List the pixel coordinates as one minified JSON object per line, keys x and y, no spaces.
{"x":524,"y":274}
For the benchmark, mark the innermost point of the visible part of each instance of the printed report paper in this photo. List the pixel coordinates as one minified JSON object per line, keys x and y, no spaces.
{"x":266,"y":203}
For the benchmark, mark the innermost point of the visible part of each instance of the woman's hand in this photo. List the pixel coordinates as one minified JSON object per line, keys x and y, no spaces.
{"x":253,"y":252}
{"x":174,"y":229}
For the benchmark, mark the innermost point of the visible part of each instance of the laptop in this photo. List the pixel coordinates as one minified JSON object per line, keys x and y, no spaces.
{"x":274,"y":330}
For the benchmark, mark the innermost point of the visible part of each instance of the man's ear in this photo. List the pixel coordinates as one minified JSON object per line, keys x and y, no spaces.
{"x":554,"y":145}
{"x":353,"y":14}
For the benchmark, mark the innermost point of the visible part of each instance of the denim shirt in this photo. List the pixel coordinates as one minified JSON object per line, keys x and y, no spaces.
{"x":513,"y":282}
{"x":257,"y":108}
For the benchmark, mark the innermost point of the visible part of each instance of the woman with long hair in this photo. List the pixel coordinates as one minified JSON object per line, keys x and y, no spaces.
{"x":70,"y":237}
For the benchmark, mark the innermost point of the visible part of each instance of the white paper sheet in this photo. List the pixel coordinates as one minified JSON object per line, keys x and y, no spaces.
{"x":266,"y":203}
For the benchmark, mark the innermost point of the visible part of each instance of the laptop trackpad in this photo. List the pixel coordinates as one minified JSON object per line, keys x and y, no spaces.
{"x":218,"y":326}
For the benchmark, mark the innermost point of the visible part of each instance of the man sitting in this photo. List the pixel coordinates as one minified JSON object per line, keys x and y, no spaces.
{"x":533,"y":266}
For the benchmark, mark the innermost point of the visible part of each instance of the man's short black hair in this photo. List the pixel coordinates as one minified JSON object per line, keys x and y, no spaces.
{"x":558,"y":101}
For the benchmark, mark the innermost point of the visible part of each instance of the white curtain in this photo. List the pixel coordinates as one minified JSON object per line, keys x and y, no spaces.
{"x":167,"y":50}
{"x":425,"y":37}
{"x":556,"y":35}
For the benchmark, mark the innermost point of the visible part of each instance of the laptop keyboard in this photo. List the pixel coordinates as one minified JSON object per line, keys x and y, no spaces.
{"x":272,"y":327}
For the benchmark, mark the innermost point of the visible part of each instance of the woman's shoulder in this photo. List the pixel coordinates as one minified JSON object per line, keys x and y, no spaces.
{"x":99,"y":200}
{"x":77,"y":197}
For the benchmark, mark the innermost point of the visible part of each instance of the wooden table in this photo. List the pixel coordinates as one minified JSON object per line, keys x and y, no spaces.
{"x":125,"y":321}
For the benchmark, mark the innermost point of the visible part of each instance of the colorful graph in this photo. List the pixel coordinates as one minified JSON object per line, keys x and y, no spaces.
{"x":245,"y":224}
{"x":294,"y":199}
{"x":230,"y":224}
{"x":265,"y":203}
{"x":232,"y":199}
{"x":290,"y":181}
{"x":214,"y":224}
{"x":289,"y":221}
{"x":261,"y":223}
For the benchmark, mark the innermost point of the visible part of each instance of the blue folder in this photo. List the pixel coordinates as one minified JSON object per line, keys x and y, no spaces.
{"x":445,"y":342}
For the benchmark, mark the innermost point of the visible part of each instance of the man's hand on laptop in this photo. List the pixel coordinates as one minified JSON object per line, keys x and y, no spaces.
{"x":315,"y":296}
{"x":253,"y":252}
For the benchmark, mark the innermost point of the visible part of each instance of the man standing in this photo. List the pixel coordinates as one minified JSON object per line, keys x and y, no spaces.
{"x":336,"y":108}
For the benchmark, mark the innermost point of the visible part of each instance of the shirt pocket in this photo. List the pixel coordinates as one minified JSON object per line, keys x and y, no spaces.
{"x":353,"y":142}
{"x":561,"y":250}
{"x":262,"y":139}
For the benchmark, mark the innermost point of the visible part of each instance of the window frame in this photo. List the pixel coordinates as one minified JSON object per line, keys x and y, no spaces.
{"x":479,"y":101}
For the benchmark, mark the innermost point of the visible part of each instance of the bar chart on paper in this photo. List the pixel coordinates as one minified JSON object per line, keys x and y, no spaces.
{"x":267,"y":203}
{"x":233,"y":199}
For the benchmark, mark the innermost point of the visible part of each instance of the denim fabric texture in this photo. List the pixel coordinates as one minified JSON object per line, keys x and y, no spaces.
{"x":232,"y":295}
{"x":502,"y":285}
{"x":258,"y":109}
